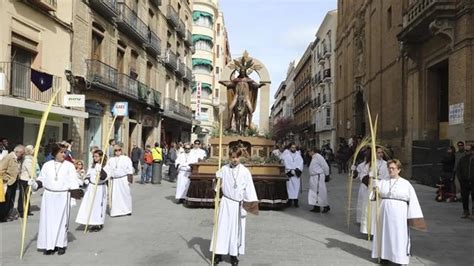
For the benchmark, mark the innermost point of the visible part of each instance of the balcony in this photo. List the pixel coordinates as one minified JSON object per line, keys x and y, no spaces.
{"x":172,"y":16}
{"x":130,"y":23}
{"x":127,"y":86}
{"x":101,"y":75}
{"x":327,"y":75}
{"x":181,"y":29}
{"x":17,"y":78}
{"x":107,"y":8}
{"x":171,"y":61}
{"x":326,"y":52}
{"x":181,"y":72}
{"x":156,"y":2}
{"x":420,"y":14}
{"x":188,"y":40}
{"x":173,"y":107}
{"x":46,"y":5}
{"x":154,"y":43}
{"x":188,"y":77}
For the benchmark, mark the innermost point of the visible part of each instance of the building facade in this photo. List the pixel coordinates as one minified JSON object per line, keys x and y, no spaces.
{"x":212,"y":54}
{"x":35,"y":38}
{"x":323,"y":81}
{"x":137,"y":52}
{"x":410,"y":61}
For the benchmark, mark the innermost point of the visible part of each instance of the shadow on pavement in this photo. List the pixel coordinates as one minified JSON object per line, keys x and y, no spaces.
{"x":200,"y":246}
{"x":353,"y":249}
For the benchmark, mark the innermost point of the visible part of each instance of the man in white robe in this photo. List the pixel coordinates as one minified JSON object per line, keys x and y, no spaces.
{"x":293,"y":168}
{"x":238,"y":193}
{"x":399,"y":209}
{"x":94,"y":176}
{"x":182,"y":163}
{"x":59,"y":179}
{"x":382,"y":172}
{"x":197,"y":152}
{"x":121,"y":174}
{"x":318,"y":170}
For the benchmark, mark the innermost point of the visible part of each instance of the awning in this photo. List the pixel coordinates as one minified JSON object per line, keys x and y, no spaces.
{"x":204,"y":86}
{"x":201,"y":37}
{"x":14,"y":102}
{"x":198,"y":14}
{"x":201,"y":61}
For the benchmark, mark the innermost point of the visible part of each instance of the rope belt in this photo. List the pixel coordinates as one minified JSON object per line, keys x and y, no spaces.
{"x":118,"y":177}
{"x":53,"y":190}
{"x":395,"y":199}
{"x":99,"y":184}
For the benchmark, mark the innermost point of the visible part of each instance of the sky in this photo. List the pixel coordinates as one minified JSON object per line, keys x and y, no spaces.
{"x":274,"y":31}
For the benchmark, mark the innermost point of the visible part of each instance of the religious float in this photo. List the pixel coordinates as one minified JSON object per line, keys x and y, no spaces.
{"x":267,"y":172}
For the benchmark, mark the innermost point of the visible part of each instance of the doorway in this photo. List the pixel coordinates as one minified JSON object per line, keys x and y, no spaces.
{"x":437,"y":101}
{"x":359,"y":114}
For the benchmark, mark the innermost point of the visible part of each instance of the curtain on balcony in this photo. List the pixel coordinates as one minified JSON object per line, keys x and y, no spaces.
{"x":201,"y":37}
{"x":199,"y":14}
{"x":201,"y":61}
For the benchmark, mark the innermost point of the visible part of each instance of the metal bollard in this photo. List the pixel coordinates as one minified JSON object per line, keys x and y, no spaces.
{"x":156,"y":172}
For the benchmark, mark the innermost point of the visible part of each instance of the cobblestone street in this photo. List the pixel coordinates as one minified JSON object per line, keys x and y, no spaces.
{"x":162,"y":233}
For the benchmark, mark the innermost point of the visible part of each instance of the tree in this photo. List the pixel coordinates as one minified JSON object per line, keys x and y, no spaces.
{"x":282,"y":127}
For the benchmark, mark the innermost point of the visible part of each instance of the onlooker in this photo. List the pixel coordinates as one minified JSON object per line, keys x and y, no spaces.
{"x":447,"y":176}
{"x":180,"y":147}
{"x":147,"y":165}
{"x":81,"y":172}
{"x":172,"y":156}
{"x":26,"y":174}
{"x":458,"y":155}
{"x":135,"y":155}
{"x":4,"y":145}
{"x":111,"y":148}
{"x":10,"y":170}
{"x":157,"y":154}
{"x":465,"y":173}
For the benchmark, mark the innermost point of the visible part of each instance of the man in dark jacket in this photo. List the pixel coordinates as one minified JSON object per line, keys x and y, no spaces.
{"x":136,"y":156}
{"x":465,"y":173}
{"x":172,"y":156}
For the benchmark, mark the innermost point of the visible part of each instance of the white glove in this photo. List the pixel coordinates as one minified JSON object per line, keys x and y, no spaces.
{"x":218,"y":174}
{"x":86,"y":181}
{"x":372,"y":174}
{"x":353,"y":168}
{"x":33,"y":184}
{"x":293,"y":172}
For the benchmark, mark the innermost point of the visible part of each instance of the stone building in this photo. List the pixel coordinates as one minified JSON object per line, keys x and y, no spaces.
{"x":410,"y":61}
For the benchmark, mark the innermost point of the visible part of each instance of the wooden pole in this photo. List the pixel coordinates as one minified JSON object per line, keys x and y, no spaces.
{"x":218,"y":189}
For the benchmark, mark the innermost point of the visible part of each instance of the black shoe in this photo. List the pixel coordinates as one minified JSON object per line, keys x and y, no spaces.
{"x":234,"y":261}
{"x":296,"y":203}
{"x":61,"y":251}
{"x":465,"y":215}
{"x":326,"y":209}
{"x":49,"y":252}
{"x":217,"y":259}
{"x":316,"y":209}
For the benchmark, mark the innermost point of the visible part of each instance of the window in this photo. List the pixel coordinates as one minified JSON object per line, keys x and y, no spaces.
{"x":389,"y":18}
{"x":218,"y":29}
{"x":151,"y":19}
{"x":203,"y":45}
{"x":20,"y":72}
{"x":217,"y":70}
{"x":216,"y":93}
{"x":96,"y":49}
{"x":133,"y":65}
{"x":149,"y":68}
{"x":120,"y":60}
{"x":204,"y":21}
{"x":218,"y":51}
{"x":202,"y":69}
{"x":328,"y":116}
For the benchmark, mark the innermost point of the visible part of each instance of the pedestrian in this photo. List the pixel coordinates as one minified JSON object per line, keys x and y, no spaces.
{"x":172,"y":156}
{"x":97,"y":174}
{"x":147,"y":165}
{"x":318,"y":173}
{"x":360,"y":172}
{"x":136,"y":154}
{"x":293,"y":168}
{"x":157,"y":154}
{"x":399,"y":209}
{"x":238,"y":198}
{"x":180,"y":147}
{"x":184,"y":171}
{"x":68,"y":153}
{"x":58,"y":177}
{"x":465,"y":173}
{"x":445,"y":190}
{"x":81,"y":172}
{"x":198,"y":152}
{"x":4,"y":146}
{"x":10,"y":167}
{"x":111,"y":148}
{"x":27,"y":173}
{"x":121,"y":173}
{"x":458,"y":155}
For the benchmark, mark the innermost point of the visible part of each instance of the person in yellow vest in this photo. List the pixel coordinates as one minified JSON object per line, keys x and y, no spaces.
{"x":157,"y":154}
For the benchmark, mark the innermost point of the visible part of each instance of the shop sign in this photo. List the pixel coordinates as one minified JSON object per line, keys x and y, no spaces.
{"x":120,"y":109}
{"x":456,"y":114}
{"x":75,"y":100}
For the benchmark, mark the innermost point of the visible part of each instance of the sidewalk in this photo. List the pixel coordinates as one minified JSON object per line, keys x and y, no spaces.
{"x":162,"y":233}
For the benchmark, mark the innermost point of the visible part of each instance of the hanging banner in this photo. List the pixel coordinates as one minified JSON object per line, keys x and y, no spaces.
{"x":120,"y":109}
{"x":198,"y":100}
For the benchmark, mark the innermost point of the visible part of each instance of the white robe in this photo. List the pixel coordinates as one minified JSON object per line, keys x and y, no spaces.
{"x":231,"y":222}
{"x":292,"y":161}
{"x":362,"y":170}
{"x":318,"y":169}
{"x":121,"y":197}
{"x":55,"y":204}
{"x":394,"y":212}
{"x":199,"y":153}
{"x":99,"y":206}
{"x":383,"y":175}
{"x":184,"y":171}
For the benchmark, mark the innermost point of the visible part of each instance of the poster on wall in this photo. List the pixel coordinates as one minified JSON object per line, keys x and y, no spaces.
{"x":456,"y":114}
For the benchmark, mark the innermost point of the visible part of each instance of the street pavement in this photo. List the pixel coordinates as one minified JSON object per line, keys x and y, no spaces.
{"x":161,"y":232}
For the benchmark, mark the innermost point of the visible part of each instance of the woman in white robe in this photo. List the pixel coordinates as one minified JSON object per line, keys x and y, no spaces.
{"x":121,"y":174}
{"x":399,"y":209}
{"x":95,"y":175}
{"x":58,"y":178}
{"x":237,"y":190}
{"x":293,"y":167}
{"x":318,"y":170}
{"x":184,"y":171}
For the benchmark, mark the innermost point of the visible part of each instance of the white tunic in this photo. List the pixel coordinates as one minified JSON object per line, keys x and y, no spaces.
{"x":99,"y":205}
{"x":199,"y":153}
{"x":399,"y":203}
{"x":292,"y":161}
{"x":237,"y":186}
{"x":383,"y":175}
{"x":57,"y":178}
{"x":318,"y":169}
{"x":362,"y":170}
{"x":121,"y":198}
{"x":184,"y":171}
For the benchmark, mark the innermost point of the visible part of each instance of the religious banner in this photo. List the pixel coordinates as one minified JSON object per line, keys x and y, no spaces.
{"x":456,"y":114}
{"x":42,"y":80}
{"x":198,"y":99}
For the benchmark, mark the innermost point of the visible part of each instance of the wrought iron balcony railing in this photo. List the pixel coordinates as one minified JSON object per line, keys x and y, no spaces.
{"x":127,"y":86}
{"x":107,"y":8}
{"x":188,"y":77}
{"x":188,"y":40}
{"x":172,"y":16}
{"x":130,"y":23}
{"x":181,"y":29}
{"x":171,"y":60}
{"x":101,"y":74}
{"x":154,"y":43}
{"x":17,"y":83}
{"x":171,"y":105}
